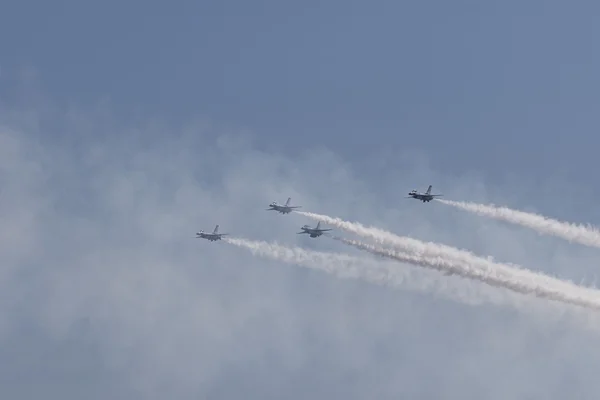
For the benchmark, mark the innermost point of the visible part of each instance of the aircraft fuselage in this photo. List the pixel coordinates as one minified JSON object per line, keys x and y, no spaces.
{"x":283,"y":208}
{"x":280,"y":209}
{"x":423,"y":197}
{"x":313,"y":232}
{"x":208,"y":236}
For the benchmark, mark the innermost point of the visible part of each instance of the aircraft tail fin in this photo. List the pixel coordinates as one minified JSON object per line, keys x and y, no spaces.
{"x":216,"y":229}
{"x":318,"y":225}
{"x":428,"y":190}
{"x":287,"y":203}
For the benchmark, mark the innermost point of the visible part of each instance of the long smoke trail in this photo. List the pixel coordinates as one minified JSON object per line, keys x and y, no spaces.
{"x":389,"y":274}
{"x":586,"y":235}
{"x":460,"y":257}
{"x":367,"y":269}
{"x":576,"y":296}
{"x":393,"y":275}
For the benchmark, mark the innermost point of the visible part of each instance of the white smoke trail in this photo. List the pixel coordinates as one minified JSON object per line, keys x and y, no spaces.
{"x":367,"y":269}
{"x":460,"y":257}
{"x":575,"y":297}
{"x":375,"y":271}
{"x":394,"y":275}
{"x":586,"y":235}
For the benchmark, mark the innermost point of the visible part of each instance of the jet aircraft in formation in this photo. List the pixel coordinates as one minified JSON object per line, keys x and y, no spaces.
{"x":215,"y":235}
{"x":312,"y":232}
{"x":424,"y":197}
{"x":283,"y":209}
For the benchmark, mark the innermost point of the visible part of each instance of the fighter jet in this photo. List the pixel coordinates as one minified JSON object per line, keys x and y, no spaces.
{"x":313,"y":232}
{"x":424,"y":197}
{"x":283,"y":209}
{"x":215,"y":235}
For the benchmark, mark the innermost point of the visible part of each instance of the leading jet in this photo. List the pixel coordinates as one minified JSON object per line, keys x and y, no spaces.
{"x":283,"y":209}
{"x":313,"y":232}
{"x":424,"y":197}
{"x":215,"y":235}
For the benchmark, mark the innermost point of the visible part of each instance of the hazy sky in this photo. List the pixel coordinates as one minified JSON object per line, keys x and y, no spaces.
{"x":125,"y":127}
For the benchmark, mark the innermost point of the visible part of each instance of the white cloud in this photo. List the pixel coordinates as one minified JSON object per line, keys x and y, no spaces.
{"x":97,"y":225}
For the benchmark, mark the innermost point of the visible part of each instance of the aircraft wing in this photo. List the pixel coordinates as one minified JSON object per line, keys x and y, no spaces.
{"x":436,"y":195}
{"x":294,"y":206}
{"x":325,"y":230}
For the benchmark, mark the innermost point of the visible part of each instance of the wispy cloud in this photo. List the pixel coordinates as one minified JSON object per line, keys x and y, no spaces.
{"x":97,"y":218}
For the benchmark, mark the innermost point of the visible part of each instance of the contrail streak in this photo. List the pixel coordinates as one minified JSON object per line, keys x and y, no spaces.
{"x":460,"y":257}
{"x":385,"y":273}
{"x":395,"y":275}
{"x":576,"y":295}
{"x":585,"y":235}
{"x":347,"y":266}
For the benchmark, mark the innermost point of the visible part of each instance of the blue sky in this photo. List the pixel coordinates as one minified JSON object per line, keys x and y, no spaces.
{"x":491,"y":87}
{"x":127,"y":127}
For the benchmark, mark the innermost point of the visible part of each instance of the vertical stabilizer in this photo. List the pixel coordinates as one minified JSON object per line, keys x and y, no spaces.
{"x":216,"y":229}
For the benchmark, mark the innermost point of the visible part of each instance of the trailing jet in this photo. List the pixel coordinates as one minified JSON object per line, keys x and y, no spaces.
{"x":283,"y":209}
{"x":424,"y":197}
{"x":215,"y":235}
{"x":313,"y":232}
